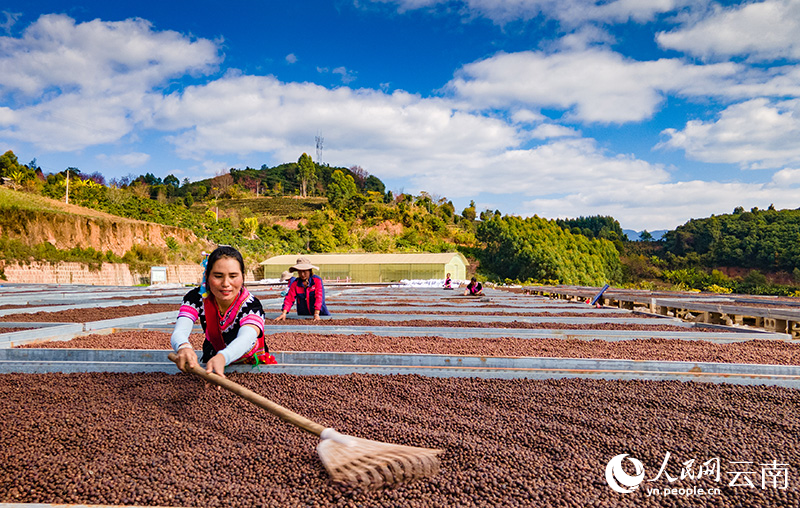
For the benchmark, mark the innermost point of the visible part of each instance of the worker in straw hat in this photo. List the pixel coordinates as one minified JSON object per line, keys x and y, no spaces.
{"x":307,"y":289}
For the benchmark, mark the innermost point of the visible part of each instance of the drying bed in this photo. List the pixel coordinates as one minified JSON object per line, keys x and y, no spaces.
{"x":765,"y":352}
{"x":87,"y":315}
{"x":483,"y":324}
{"x":160,"y":439}
{"x":457,"y":312}
{"x":14,"y":306}
{"x":9,"y":330}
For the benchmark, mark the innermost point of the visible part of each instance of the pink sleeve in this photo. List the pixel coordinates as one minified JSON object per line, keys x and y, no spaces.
{"x":320,"y":296}
{"x":253,"y":319}
{"x":188,"y":311}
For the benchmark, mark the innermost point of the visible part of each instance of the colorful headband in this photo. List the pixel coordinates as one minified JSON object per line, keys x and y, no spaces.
{"x":203,"y":286}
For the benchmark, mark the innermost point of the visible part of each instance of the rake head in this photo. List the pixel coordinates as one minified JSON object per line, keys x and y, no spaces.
{"x":371,"y":464}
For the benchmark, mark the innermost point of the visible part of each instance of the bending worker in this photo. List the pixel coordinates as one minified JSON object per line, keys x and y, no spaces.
{"x":474,"y":288}
{"x":308,"y":290}
{"x":232,"y":318}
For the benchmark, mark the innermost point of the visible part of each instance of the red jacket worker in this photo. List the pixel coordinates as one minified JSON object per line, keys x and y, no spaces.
{"x":308,"y":290}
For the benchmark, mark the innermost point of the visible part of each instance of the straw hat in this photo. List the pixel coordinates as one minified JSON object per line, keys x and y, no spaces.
{"x":286,"y":276}
{"x":303,"y":264}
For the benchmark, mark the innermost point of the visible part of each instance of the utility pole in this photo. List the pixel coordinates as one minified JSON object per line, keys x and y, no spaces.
{"x":319,"y":139}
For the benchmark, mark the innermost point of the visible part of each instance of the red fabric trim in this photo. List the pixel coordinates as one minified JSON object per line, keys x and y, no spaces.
{"x":213,"y":331}
{"x":233,"y":310}
{"x":214,"y":327}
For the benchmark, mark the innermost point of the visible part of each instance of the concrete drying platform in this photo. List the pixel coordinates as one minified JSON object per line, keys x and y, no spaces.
{"x":768,"y":313}
{"x":621,"y":319}
{"x":38,"y":361}
{"x":724,"y":337}
{"x":349,"y":302}
{"x":67,"y":331}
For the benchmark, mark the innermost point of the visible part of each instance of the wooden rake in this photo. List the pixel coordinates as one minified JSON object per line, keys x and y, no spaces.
{"x":349,"y":460}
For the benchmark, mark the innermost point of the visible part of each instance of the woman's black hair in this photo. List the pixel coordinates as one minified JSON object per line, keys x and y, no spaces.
{"x":224,"y":251}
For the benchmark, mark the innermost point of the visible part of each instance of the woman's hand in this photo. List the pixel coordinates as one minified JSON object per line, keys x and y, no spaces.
{"x":316,"y":316}
{"x":187,"y":359}
{"x":281,"y":317}
{"x":216,"y":365}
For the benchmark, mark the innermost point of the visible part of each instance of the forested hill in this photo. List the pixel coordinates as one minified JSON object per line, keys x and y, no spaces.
{"x":303,"y":207}
{"x":767,"y":240}
{"x":538,"y":249}
{"x":284,"y":179}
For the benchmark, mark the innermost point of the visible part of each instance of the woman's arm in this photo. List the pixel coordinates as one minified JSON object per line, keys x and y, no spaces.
{"x":318,"y":301}
{"x":245,"y":340}
{"x":187,"y":358}
{"x":288,"y":301}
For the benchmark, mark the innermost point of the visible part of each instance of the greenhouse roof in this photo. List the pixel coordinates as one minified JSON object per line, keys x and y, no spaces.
{"x":366,"y":258}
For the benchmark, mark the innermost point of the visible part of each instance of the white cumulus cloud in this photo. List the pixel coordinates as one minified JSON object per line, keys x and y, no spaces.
{"x":75,"y":85}
{"x":557,"y":167}
{"x":765,"y":30}
{"x":567,"y":11}
{"x":132,"y":159}
{"x":594,"y":85}
{"x":241,"y":114}
{"x":755,"y":134}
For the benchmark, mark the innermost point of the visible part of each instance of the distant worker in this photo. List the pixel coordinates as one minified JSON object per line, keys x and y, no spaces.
{"x":474,"y":288}
{"x":288,"y":278}
{"x":231,"y":317}
{"x":448,"y":282}
{"x":308,"y":290}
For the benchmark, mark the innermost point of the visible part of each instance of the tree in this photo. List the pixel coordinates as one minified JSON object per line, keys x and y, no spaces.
{"x":220,"y":185}
{"x":645,"y":236}
{"x":307,"y":174}
{"x":373,"y":183}
{"x":9,"y":163}
{"x":172,"y":180}
{"x":538,"y":249}
{"x":97,"y":177}
{"x":359,"y":175}
{"x":469,"y":212}
{"x":249,"y":227}
{"x":341,"y":190}
{"x":17,"y":178}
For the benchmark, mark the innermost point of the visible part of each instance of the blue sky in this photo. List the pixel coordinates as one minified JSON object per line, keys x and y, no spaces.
{"x":653,"y":112}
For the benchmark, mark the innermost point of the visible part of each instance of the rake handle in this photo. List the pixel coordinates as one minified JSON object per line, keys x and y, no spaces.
{"x":281,"y":412}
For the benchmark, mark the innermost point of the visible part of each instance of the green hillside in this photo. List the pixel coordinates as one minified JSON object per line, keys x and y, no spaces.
{"x":303,"y":207}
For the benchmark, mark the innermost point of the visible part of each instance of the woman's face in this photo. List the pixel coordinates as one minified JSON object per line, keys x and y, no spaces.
{"x":304,"y":275}
{"x":225,"y":279}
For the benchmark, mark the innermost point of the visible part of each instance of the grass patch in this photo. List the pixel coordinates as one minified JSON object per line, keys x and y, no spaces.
{"x":276,"y":207}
